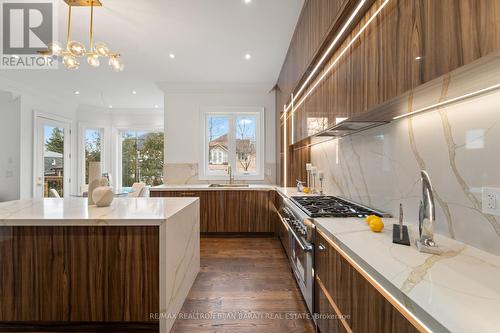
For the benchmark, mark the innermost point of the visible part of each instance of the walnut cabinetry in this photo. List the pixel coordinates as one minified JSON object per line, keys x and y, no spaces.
{"x":79,"y":278}
{"x":346,"y":301}
{"x":393,"y":49}
{"x":231,"y":211}
{"x":409,"y":43}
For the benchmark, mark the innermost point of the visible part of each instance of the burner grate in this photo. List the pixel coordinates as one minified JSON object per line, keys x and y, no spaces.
{"x":329,"y":206}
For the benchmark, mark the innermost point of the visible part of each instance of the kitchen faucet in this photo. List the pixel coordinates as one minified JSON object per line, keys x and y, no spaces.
{"x":230,"y":173}
{"x":427,"y":217}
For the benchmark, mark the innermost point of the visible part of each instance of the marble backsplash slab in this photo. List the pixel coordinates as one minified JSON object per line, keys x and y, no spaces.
{"x":187,"y":173}
{"x":455,"y":144}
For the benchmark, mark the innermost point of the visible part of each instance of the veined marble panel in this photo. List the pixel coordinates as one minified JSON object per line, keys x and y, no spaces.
{"x":179,"y":262}
{"x":456,"y":144}
{"x":188,"y":174}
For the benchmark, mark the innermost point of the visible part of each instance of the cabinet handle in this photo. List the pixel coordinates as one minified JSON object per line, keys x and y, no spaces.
{"x":188,"y":193}
{"x":321,"y":247}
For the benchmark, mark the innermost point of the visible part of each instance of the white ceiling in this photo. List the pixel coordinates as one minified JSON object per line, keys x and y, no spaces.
{"x":208,"y":37}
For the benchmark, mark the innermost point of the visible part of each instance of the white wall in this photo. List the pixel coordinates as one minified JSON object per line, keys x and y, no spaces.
{"x":10,"y":153}
{"x":183,"y":131}
{"x":30,"y":102}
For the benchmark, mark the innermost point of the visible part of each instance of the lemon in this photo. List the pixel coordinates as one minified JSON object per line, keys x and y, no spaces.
{"x":307,"y":190}
{"x":376,"y":224}
{"x":369,"y":218}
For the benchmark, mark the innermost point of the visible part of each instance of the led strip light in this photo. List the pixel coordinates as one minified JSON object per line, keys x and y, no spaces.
{"x":323,"y":58}
{"x":285,"y":149}
{"x":337,"y":38}
{"x":450,"y":101}
{"x":330,"y":48}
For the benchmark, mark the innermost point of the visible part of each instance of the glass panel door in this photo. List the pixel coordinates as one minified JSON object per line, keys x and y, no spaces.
{"x":52,"y":160}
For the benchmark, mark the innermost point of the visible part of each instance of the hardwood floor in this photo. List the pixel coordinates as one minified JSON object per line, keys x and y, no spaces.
{"x":243,"y":277}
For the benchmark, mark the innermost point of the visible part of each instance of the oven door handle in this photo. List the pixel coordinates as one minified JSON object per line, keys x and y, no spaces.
{"x":303,"y":246}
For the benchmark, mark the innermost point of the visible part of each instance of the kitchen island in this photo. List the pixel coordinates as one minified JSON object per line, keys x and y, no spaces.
{"x":70,"y":266}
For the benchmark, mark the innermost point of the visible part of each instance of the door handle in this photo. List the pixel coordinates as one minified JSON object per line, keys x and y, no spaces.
{"x":321,"y":247}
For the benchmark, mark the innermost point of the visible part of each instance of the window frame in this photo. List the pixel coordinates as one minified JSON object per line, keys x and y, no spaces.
{"x":232,"y":113}
{"x":118,"y":131}
{"x":82,"y":128}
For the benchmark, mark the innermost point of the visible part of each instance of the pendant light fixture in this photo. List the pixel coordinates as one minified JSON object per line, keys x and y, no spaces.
{"x":75,"y":50}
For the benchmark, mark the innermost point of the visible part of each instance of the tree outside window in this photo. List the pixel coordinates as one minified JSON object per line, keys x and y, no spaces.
{"x":142,"y":158}
{"x":93,"y":149}
{"x":246,"y":144}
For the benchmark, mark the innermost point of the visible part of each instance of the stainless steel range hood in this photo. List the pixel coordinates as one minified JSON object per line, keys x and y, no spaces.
{"x":349,"y":127}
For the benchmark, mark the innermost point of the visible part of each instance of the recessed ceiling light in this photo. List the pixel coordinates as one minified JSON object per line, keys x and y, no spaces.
{"x":110,"y":106}
{"x":156,"y":106}
{"x":248,"y":56}
{"x":171,"y":56}
{"x":248,"y":1}
{"x":134,"y":92}
{"x":77,"y":92}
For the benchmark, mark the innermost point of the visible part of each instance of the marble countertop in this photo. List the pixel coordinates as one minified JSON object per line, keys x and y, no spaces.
{"x":205,"y":187}
{"x":76,"y":212}
{"x":457,"y":291}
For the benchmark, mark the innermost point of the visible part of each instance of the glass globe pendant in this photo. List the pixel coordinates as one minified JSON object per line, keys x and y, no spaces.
{"x":55,"y":49}
{"x":71,"y":62}
{"x":116,"y":63}
{"x":76,"y":49}
{"x":101,"y":49}
{"x":93,"y":60}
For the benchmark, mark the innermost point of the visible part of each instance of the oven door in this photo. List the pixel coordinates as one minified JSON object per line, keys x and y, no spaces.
{"x":301,"y":260}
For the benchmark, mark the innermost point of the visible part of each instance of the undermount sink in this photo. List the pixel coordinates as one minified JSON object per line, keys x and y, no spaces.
{"x":228,"y":185}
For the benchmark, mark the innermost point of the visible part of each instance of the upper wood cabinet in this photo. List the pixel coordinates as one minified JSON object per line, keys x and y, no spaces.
{"x":407,"y":44}
{"x":227,"y":211}
{"x":313,"y":26}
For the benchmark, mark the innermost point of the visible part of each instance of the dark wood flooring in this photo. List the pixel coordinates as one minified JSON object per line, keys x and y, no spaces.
{"x":245,"y":285}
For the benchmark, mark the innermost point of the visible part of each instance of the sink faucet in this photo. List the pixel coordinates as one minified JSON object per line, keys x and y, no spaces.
{"x":230,"y":173}
{"x":427,"y":217}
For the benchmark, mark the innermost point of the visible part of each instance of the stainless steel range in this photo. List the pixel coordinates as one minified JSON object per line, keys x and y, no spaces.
{"x":296,"y":215}
{"x":329,"y":206}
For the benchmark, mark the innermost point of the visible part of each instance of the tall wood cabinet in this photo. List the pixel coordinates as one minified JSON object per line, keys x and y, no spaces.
{"x":395,"y":47}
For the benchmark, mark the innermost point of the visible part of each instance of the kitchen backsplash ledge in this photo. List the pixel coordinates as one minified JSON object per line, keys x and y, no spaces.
{"x":187,"y":173}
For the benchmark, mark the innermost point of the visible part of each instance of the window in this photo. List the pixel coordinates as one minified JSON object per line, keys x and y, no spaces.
{"x":233,"y":137}
{"x":142,"y":157}
{"x":93,"y":140}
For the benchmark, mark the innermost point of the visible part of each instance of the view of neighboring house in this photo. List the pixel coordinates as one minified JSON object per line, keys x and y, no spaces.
{"x":53,"y":164}
{"x":218,"y":151}
{"x":245,"y":152}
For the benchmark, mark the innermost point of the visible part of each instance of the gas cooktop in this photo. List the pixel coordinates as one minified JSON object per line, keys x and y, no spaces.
{"x":329,"y":206}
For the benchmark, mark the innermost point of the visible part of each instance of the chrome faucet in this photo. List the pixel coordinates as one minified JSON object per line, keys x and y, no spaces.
{"x":230,"y":173}
{"x":427,"y":217}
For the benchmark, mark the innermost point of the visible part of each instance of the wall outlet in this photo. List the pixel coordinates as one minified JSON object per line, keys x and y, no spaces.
{"x":491,"y":200}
